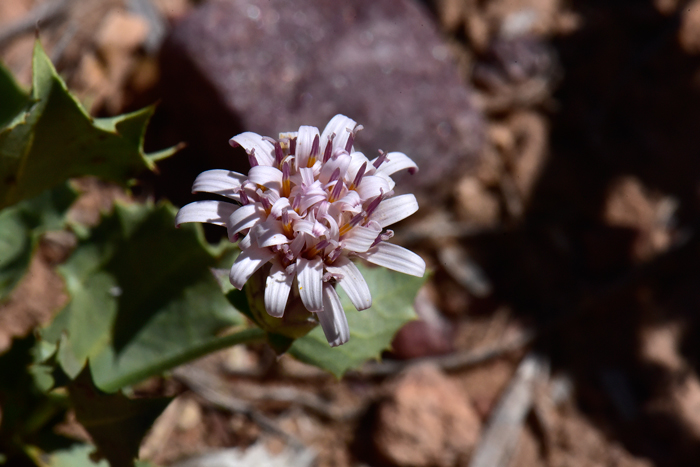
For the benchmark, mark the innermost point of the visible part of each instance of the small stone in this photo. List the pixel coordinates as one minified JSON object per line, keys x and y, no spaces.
{"x":425,"y":420}
{"x":689,"y":32}
{"x":267,"y":66}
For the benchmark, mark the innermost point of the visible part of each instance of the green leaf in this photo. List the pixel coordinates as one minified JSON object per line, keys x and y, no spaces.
{"x":143,"y":298}
{"x":116,"y":423}
{"x":22,"y":225}
{"x":28,"y":414}
{"x":76,"y":456}
{"x":53,"y":139}
{"x":371,"y":330}
{"x":12,"y":97}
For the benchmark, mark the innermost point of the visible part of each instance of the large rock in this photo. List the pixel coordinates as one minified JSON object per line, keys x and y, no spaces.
{"x":273,"y":65}
{"x":425,"y":420}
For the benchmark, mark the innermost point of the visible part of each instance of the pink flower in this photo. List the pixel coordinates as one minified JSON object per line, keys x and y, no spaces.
{"x":308,"y":205}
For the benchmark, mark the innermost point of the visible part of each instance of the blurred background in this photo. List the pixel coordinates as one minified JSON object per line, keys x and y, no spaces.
{"x":559,"y":152}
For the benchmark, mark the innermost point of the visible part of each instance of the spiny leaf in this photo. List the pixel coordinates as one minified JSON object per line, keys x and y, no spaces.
{"x":29,"y":416}
{"x":116,"y":423}
{"x":143,"y":298}
{"x":371,"y":330}
{"x":12,"y":97}
{"x":53,"y":139}
{"x":22,"y":225}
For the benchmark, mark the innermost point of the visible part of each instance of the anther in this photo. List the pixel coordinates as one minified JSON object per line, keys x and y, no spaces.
{"x":381,"y":159}
{"x":251,"y":158}
{"x":358,"y":177}
{"x":286,"y":185}
{"x":329,"y":148}
{"x":279,"y":154}
{"x":314,"y":152}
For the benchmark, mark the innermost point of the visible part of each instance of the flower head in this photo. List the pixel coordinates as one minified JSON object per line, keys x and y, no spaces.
{"x":308,"y":205}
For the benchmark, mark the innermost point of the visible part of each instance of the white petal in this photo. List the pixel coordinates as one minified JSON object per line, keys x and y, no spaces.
{"x":310,"y":281}
{"x":341,"y":126}
{"x":395,"y":209}
{"x":352,"y":282}
{"x":246,"y":242}
{"x":220,"y":182}
{"x":341,"y":162}
{"x":360,"y":238}
{"x":277,"y":288}
{"x":269,"y":233}
{"x":279,"y":207}
{"x":264,"y":150}
{"x":395,"y":258}
{"x":396,"y":161}
{"x":305,"y":140}
{"x":333,"y":320}
{"x":269,"y":177}
{"x":210,"y":212}
{"x":357,"y":159}
{"x":247,"y":263}
{"x":244,"y":218}
{"x":372,"y":186}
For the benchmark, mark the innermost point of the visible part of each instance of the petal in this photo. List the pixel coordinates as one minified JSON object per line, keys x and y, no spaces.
{"x":396,"y":161}
{"x":269,"y":233}
{"x":352,"y":282}
{"x":341,"y":162}
{"x":395,"y":209}
{"x":310,"y":281}
{"x":341,"y":126}
{"x":246,"y":242}
{"x":333,"y":320}
{"x":210,"y":212}
{"x":279,"y":207}
{"x":395,"y":258}
{"x":244,"y":218}
{"x":305,"y":140}
{"x":247,"y":263}
{"x":264,"y":150}
{"x":372,"y":186}
{"x":220,"y":182}
{"x":269,"y":177}
{"x":360,"y":238}
{"x":277,"y":288}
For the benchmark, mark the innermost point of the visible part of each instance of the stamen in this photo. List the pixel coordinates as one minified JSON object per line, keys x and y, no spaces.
{"x":382,"y":237}
{"x":314,"y":152}
{"x":286,"y":184}
{"x":336,"y":192}
{"x":316,"y":249}
{"x":334,"y":176}
{"x":251,"y":158}
{"x":333,"y":255}
{"x":351,"y":140}
{"x":287,"y":225}
{"x":374,"y":203}
{"x":358,"y":177}
{"x":381,"y":159}
{"x":244,"y":198}
{"x":292,"y":146}
{"x":279,"y":154}
{"x":329,"y":148}
{"x":267,"y":205}
{"x":353,"y":222}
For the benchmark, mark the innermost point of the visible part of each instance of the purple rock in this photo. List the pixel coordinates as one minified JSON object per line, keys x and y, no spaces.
{"x":273,"y":65}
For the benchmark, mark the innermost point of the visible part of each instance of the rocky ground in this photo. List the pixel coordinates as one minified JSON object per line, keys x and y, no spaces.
{"x":559,"y":184}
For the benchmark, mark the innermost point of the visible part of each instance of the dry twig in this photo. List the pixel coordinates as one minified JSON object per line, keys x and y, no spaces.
{"x":210,"y":388}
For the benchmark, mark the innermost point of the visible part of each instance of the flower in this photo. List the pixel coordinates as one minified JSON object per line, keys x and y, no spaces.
{"x":307,"y":206}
